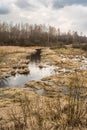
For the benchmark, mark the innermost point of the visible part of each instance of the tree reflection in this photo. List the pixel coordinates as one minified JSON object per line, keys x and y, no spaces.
{"x":36,"y":57}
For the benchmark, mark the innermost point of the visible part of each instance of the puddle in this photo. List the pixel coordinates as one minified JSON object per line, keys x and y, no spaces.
{"x":35,"y":74}
{"x":37,"y":70}
{"x":74,"y":92}
{"x":3,"y":82}
{"x":77,"y":93}
{"x":41,"y":92}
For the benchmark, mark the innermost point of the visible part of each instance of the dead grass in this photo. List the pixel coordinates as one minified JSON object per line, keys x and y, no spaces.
{"x":11,"y":56}
{"x":23,"y":109}
{"x":35,"y":112}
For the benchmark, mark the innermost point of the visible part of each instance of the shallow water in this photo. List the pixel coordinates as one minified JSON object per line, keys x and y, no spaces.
{"x":36,"y":73}
{"x":74,"y":92}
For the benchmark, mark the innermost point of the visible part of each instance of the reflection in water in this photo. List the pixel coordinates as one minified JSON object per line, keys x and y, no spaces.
{"x":36,"y":73}
{"x":36,"y":57}
{"x":3,"y":82}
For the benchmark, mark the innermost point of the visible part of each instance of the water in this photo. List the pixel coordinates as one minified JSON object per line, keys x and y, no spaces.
{"x":36,"y":72}
{"x":74,"y":92}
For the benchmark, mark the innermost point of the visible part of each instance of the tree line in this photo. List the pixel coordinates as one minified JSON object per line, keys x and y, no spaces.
{"x":26,"y":35}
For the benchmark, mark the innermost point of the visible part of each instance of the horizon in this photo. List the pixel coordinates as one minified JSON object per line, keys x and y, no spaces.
{"x":64,"y":14}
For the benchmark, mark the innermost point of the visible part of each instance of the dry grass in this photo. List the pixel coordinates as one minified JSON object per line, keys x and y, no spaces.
{"x":69,"y":51}
{"x":11,"y":56}
{"x":35,"y":112}
{"x":25,"y":110}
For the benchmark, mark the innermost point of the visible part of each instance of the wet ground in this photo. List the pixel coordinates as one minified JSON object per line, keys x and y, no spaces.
{"x":36,"y":71}
{"x":45,"y":70}
{"x":49,"y":78}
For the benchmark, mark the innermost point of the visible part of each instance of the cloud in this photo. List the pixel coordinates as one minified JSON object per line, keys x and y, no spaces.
{"x":62,"y":3}
{"x":24,"y":4}
{"x":33,"y":4}
{"x":46,"y":3}
{"x":4,"y":8}
{"x":63,"y":14}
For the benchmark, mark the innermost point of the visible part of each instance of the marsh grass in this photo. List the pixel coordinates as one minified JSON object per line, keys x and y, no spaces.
{"x":77,"y":107}
{"x":44,"y":113}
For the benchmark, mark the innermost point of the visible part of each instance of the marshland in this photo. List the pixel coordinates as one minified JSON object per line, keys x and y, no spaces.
{"x":43,"y":79}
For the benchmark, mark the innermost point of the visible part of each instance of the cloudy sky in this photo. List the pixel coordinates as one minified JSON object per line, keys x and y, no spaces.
{"x":65,"y":14}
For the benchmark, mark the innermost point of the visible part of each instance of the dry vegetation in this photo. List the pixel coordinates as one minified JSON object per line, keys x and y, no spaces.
{"x":24,"y":109}
{"x":29,"y":111}
{"x":14,"y":57}
{"x":28,"y":35}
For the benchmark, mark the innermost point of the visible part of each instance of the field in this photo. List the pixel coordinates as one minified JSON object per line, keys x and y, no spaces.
{"x":56,"y":102}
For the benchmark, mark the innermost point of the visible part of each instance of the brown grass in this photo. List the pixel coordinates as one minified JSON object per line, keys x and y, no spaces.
{"x":25,"y":110}
{"x":35,"y":112}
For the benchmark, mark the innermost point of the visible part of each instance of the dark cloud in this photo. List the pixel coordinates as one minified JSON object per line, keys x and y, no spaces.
{"x":62,"y":3}
{"x":4,"y":10}
{"x":5,"y":7}
{"x":23,"y":4}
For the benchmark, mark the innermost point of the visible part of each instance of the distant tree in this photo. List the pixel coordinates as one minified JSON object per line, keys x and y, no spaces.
{"x":26,"y":35}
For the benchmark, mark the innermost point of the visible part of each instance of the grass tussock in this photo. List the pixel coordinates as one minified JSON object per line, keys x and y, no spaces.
{"x":44,"y":113}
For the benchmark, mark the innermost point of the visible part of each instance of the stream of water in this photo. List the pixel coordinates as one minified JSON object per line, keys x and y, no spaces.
{"x":35,"y":72}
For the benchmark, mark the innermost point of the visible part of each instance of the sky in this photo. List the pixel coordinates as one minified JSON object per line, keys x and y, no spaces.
{"x":63,"y":14}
